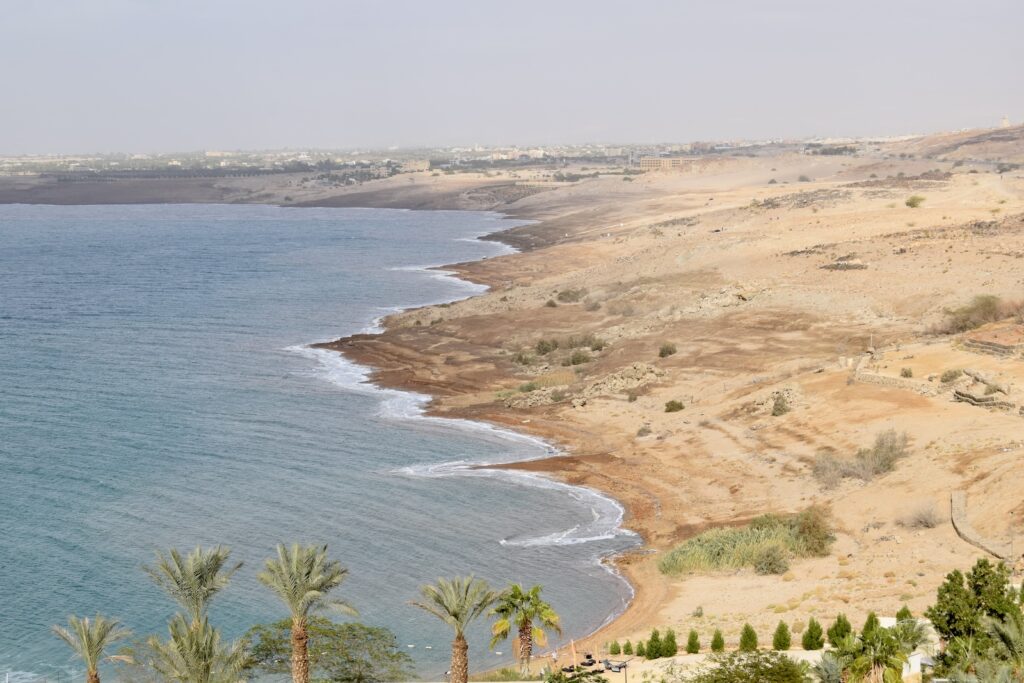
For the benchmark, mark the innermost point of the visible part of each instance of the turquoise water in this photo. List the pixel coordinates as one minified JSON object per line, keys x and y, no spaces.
{"x":156,"y":392}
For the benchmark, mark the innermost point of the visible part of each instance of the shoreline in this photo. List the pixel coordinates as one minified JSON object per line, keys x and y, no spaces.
{"x":618,"y":563}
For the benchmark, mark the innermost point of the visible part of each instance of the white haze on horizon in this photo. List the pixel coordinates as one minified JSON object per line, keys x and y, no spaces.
{"x":150,"y":75}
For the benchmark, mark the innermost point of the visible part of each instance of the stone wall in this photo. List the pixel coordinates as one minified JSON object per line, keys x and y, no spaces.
{"x":1003,"y":551}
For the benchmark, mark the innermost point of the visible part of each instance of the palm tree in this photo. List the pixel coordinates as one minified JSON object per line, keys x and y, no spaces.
{"x":523,"y":608}
{"x":1009,"y":636}
{"x":876,"y":656}
{"x":89,"y":638}
{"x":194,"y":653}
{"x":194,"y":580}
{"x":457,"y":602}
{"x":302,"y":576}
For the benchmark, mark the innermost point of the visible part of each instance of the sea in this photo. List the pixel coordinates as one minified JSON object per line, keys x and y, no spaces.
{"x":157,"y":391}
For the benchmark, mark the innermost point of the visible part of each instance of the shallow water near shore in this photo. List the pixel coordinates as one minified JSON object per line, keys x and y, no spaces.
{"x":158,"y":392}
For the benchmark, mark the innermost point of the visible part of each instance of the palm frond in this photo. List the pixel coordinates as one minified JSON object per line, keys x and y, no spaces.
{"x":89,"y":638}
{"x":192,"y":581}
{"x":302,"y":577}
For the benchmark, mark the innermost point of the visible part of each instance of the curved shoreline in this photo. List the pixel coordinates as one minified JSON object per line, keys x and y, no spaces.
{"x":360,"y":378}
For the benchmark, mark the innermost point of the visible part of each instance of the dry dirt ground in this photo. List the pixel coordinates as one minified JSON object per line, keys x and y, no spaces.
{"x":762,"y":288}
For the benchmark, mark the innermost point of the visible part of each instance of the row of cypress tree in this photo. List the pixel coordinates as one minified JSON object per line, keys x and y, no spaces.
{"x":813,"y":638}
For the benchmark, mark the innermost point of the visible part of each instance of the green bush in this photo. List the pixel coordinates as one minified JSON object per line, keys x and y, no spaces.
{"x":906,"y":372}
{"x":748,"y":639}
{"x":693,"y":642}
{"x":669,"y":647}
{"x":653,"y":648}
{"x":772,"y":559}
{"x":904,"y":614}
{"x":546,"y":346}
{"x":839,"y":629}
{"x":781,"y":639}
{"x":750,"y":667}
{"x":627,"y":648}
{"x":951,"y":376}
{"x":673,"y":406}
{"x":717,"y":641}
{"x":615,"y":648}
{"x":550,"y":303}
{"x":813,"y":638}
{"x":577,"y":357}
{"x":871,"y":624}
{"x":667,"y":349}
{"x":914,"y":201}
{"x":806,"y":534}
{"x":641,"y":649}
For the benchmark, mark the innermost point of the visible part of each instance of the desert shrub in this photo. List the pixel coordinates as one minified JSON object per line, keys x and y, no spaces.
{"x":773,"y":559}
{"x":631,"y":396}
{"x":614,"y":648}
{"x":780,"y":406}
{"x":914,"y":201}
{"x":644,"y":431}
{"x":550,"y":303}
{"x":577,"y":357}
{"x":717,"y":641}
{"x":844,"y":265}
{"x":597,"y":344}
{"x":748,"y":639}
{"x":781,"y":639}
{"x":667,"y":349}
{"x":592,"y":306}
{"x":813,"y":638}
{"x":587,"y":340}
{"x":522,"y":358}
{"x":773,"y":181}
{"x":951,"y":376}
{"x":528,"y":387}
{"x":571,"y":296}
{"x":807,"y":534}
{"x":839,"y":629}
{"x":558,"y":395}
{"x":627,"y":648}
{"x":924,"y":516}
{"x":669,"y":646}
{"x":693,"y":642}
{"x":881,"y":458}
{"x":673,"y":406}
{"x":982,"y":309}
{"x":803,"y":179}
{"x":546,"y":346}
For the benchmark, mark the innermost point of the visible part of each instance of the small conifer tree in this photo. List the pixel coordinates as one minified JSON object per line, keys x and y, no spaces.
{"x":781,"y":639}
{"x":627,"y":649}
{"x":717,"y":641}
{"x":693,"y":642}
{"x":812,"y":638}
{"x":641,"y":650}
{"x":653,"y":648}
{"x":870,"y":625}
{"x":839,"y":629}
{"x":904,"y":614}
{"x":669,"y":647}
{"x":615,"y":648}
{"x":748,"y":639}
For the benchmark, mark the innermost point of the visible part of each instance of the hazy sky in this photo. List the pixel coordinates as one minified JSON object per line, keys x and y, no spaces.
{"x":176,"y":75}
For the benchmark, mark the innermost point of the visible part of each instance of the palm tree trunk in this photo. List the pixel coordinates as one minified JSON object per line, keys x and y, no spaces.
{"x":460,"y":660}
{"x":525,"y":646}
{"x":92,"y":676}
{"x":300,"y":651}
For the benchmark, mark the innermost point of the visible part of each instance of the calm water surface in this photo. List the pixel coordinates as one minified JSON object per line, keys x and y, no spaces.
{"x":155,"y":392}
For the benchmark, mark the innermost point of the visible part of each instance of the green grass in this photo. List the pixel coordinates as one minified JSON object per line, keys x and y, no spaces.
{"x":807,"y":534}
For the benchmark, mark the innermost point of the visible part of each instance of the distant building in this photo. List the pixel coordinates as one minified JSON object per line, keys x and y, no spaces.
{"x":1005,"y":123}
{"x":666,"y":163}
